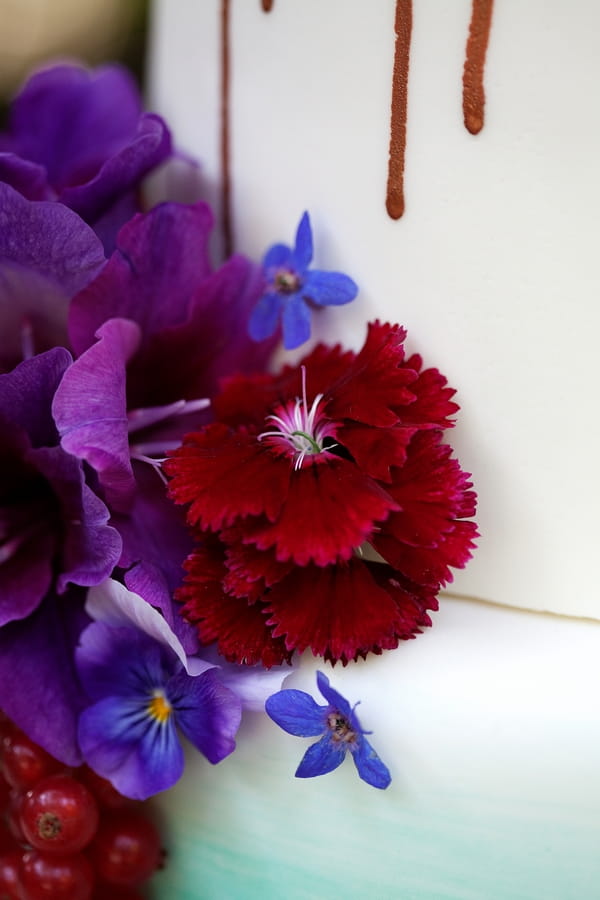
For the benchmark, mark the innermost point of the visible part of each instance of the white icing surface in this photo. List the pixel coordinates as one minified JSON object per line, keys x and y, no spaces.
{"x":493,"y":268}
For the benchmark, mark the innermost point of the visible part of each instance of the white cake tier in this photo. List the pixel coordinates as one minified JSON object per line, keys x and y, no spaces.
{"x":493,"y":267}
{"x":489,"y":724}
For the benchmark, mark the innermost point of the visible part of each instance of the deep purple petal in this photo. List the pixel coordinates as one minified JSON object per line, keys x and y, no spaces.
{"x":264,"y":318}
{"x":207,"y":712}
{"x":278,"y":256}
{"x":149,"y":582}
{"x":39,"y":687}
{"x":90,"y":547}
{"x":26,"y":395}
{"x":121,"y":742}
{"x":370,"y":767}
{"x":26,"y":577}
{"x":161,"y":259}
{"x":297,"y":713}
{"x":303,"y":249}
{"x":90,"y":410}
{"x":321,"y":758}
{"x":122,"y":172}
{"x":28,"y":178}
{"x":296,"y":322}
{"x":328,"y":288}
{"x":71,"y":120}
{"x":334,"y":699}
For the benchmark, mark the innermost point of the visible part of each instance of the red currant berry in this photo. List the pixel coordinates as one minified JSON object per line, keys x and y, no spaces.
{"x":10,"y":876}
{"x":24,"y":763}
{"x":59,"y":815}
{"x":12,"y":814}
{"x":126,"y":849}
{"x":46,"y":876}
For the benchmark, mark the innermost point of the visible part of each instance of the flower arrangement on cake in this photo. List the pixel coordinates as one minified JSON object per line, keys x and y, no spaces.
{"x":181,"y":520}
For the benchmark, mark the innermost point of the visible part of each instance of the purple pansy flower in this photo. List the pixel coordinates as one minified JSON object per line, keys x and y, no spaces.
{"x":47,"y":254}
{"x":80,"y":137}
{"x":291,"y":288}
{"x":337,"y":723}
{"x":144,"y":689}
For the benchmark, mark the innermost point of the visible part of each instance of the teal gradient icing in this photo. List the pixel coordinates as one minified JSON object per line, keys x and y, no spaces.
{"x":261,"y":834}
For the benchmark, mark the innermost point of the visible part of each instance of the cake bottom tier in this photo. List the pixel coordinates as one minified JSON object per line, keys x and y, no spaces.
{"x":490,"y":726}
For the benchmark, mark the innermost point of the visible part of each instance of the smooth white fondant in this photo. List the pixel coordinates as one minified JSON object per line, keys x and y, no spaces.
{"x":493,"y":268}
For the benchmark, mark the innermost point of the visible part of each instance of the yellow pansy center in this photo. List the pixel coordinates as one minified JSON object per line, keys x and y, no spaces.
{"x":159,"y":707}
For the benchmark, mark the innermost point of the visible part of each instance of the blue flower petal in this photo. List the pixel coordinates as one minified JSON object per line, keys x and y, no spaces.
{"x":370,"y":767}
{"x":297,"y":713}
{"x":336,"y":700}
{"x":321,"y":758}
{"x":303,"y":250}
{"x":264,"y":318}
{"x":296,"y":322}
{"x":124,"y":744}
{"x":278,"y":256}
{"x":329,"y":288}
{"x":207,"y":712}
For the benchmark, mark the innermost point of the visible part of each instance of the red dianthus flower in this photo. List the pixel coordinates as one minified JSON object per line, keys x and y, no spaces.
{"x":284,"y":490}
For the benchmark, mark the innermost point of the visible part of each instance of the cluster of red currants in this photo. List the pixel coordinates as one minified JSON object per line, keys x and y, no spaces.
{"x":67,"y":833}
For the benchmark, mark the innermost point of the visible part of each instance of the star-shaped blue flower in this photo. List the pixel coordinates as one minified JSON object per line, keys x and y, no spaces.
{"x":291,"y":289}
{"x":337,"y":723}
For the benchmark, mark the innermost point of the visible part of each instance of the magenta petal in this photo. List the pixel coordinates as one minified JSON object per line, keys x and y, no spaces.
{"x":160,"y":260}
{"x":90,"y":410}
{"x":39,"y":687}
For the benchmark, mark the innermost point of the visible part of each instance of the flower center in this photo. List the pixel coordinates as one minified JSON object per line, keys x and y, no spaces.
{"x":341,"y":730}
{"x":159,"y":707}
{"x":286,"y":281}
{"x":303,"y":431}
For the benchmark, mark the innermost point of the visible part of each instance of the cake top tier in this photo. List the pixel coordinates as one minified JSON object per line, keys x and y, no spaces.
{"x":492,"y":266}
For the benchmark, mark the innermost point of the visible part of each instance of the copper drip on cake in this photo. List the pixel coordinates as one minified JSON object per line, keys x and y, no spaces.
{"x":225,"y":131}
{"x":267,"y":5}
{"x":395,"y":184}
{"x":473,"y":93}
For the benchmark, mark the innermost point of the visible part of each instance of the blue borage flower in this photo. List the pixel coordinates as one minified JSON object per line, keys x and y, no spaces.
{"x":291,"y":287}
{"x":144,"y":689}
{"x":337,"y":723}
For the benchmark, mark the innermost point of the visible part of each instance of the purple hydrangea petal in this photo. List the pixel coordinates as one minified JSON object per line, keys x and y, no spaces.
{"x":39,"y":687}
{"x":90,"y":547}
{"x":303,"y":249}
{"x":264,"y":318}
{"x":90,"y":410}
{"x":328,"y":288}
{"x":279,"y":256}
{"x":26,"y":177}
{"x":297,"y":713}
{"x":335,"y":699}
{"x":369,"y":766}
{"x":26,"y":576}
{"x":137,"y":754}
{"x":71,"y":120}
{"x":320,"y":758}
{"x":207,"y":712}
{"x":26,"y":395}
{"x":296,"y":322}
{"x":121,"y":172}
{"x":160,"y":260}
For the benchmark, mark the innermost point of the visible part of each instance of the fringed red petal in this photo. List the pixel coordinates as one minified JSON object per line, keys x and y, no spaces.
{"x":224,"y":475}
{"x":239,"y":629}
{"x":376,"y":450}
{"x":433,"y":398}
{"x":331,"y":508}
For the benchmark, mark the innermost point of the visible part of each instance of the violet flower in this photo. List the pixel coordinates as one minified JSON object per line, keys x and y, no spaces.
{"x":144,"y":689}
{"x":337,"y":724}
{"x":47,"y":254}
{"x":80,"y":137}
{"x":292,"y":288}
{"x":155,"y":332}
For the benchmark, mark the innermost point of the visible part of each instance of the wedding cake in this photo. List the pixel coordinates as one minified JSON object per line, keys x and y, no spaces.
{"x":447,"y":154}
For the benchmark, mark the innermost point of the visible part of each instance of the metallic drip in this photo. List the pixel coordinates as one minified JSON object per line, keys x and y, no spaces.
{"x":395,"y":184}
{"x":473,"y":93}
